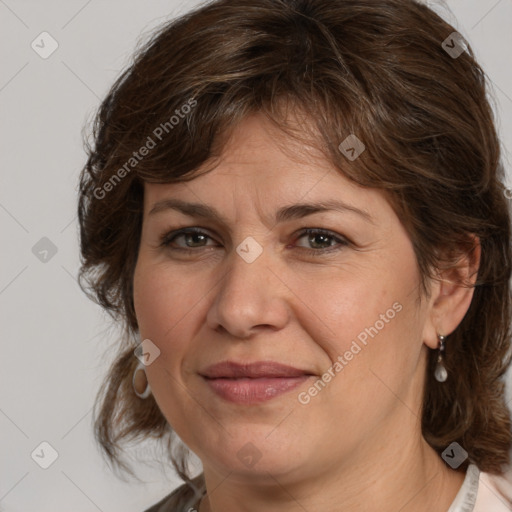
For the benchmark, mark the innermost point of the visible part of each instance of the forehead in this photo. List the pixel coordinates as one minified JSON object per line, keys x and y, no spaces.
{"x":260,"y":159}
{"x":265,"y":175}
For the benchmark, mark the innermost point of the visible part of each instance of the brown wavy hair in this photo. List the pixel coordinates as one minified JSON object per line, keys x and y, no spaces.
{"x":374,"y":68}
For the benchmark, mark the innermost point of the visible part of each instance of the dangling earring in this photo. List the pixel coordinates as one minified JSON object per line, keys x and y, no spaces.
{"x":440,"y":372}
{"x":140,"y":382}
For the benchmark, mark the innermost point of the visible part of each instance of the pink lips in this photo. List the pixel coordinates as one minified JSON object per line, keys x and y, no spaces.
{"x":254,"y":382}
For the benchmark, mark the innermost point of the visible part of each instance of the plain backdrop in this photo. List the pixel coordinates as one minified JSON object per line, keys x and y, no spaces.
{"x":54,"y":340}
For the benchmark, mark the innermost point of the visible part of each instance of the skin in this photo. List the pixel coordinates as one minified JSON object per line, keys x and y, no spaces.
{"x":357,"y":444}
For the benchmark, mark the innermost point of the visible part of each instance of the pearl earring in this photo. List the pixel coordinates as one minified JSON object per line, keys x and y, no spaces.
{"x":440,"y":372}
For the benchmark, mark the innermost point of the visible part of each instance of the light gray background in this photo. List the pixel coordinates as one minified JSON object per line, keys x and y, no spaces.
{"x":54,"y":340}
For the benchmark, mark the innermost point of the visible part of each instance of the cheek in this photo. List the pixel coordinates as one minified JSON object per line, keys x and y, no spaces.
{"x":169,"y":306}
{"x":160,"y":302}
{"x":347,"y":305}
{"x":370,"y":329}
{"x":148,"y":298}
{"x":163,"y":310}
{"x":368,"y":315}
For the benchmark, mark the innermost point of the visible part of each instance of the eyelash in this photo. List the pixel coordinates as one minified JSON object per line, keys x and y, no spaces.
{"x":168,"y":238}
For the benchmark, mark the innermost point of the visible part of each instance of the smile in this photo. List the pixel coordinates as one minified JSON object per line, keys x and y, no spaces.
{"x":253,"y":382}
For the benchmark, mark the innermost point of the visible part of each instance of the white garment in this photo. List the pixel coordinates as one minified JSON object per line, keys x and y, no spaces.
{"x":483,"y":492}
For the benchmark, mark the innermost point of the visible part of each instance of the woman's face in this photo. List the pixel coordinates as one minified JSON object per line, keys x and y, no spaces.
{"x":340,"y":306}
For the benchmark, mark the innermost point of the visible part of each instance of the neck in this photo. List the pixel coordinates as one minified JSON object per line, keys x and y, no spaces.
{"x":412,"y":478}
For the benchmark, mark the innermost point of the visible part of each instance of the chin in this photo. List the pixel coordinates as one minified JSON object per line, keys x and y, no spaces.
{"x":253,"y":452}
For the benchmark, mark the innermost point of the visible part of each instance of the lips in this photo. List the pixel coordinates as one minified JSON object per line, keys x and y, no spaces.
{"x":253,"y":382}
{"x":260,"y":369}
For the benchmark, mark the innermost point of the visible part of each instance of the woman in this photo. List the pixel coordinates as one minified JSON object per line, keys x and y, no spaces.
{"x":296,"y":209}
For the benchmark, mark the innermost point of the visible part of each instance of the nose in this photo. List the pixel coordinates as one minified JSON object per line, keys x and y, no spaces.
{"x":248,"y":298}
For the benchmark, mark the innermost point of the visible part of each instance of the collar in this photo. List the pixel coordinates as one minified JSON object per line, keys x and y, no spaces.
{"x":466,"y":497}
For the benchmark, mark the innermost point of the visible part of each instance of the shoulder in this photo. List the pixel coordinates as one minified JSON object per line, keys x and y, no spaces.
{"x":494,"y":493}
{"x":163,"y":505}
{"x":182,"y":499}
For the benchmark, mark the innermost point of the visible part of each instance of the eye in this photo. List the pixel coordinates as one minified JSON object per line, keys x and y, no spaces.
{"x":193,"y":238}
{"x":321,"y":240}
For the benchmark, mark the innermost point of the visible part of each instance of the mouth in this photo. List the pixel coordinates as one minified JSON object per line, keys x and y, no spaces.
{"x":253,"y":382}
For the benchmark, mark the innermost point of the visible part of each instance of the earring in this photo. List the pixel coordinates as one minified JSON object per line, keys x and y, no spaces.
{"x":440,"y":372}
{"x":140,"y":382}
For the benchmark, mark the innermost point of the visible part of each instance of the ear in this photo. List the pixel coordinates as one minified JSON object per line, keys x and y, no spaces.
{"x":452,"y":292}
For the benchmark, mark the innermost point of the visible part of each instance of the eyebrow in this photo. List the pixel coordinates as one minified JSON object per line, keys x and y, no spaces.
{"x":285,"y":213}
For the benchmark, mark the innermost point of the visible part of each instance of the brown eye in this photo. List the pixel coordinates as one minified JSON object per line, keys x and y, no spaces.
{"x":193,"y":238}
{"x":320,"y":241}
